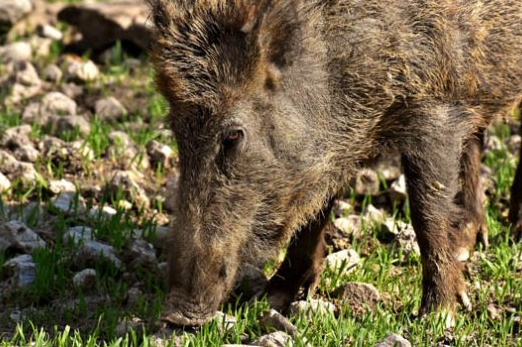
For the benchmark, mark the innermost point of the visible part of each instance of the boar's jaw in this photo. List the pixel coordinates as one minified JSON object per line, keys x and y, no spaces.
{"x":182,"y":311}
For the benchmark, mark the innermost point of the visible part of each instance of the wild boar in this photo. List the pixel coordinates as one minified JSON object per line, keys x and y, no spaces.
{"x":276,"y":103}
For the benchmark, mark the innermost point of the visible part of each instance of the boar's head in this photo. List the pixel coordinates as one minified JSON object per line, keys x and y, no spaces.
{"x":247,"y":106}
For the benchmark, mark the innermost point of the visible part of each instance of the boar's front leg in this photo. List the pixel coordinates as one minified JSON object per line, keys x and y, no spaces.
{"x":303,"y":264}
{"x":515,"y":210}
{"x":432,"y":150}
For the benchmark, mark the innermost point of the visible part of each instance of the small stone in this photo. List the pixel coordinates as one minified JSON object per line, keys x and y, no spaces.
{"x":124,"y":327}
{"x":406,"y":239}
{"x":345,"y":259}
{"x":16,"y":136}
{"x":348,"y":226}
{"x":52,"y":73}
{"x":67,"y":201}
{"x":78,"y":234}
{"x":11,"y":11}
{"x":56,"y":103}
{"x":142,"y":254}
{"x":62,"y":124}
{"x":17,"y":236}
{"x":311,"y":307}
{"x":27,"y":153}
{"x":90,"y":251}
{"x":225,"y":322}
{"x":59,"y":186}
{"x":16,"y":51}
{"x":81,"y":71}
{"x":342,"y":208}
{"x":133,"y":295}
{"x":398,"y":191}
{"x":514,"y":143}
{"x":160,"y":153}
{"x":275,"y":320}
{"x":367,"y":182}
{"x":20,"y":270}
{"x":104,"y":212}
{"x":358,"y":296}
{"x":50,"y":32}
{"x":394,"y":340}
{"x":26,"y":83}
{"x":110,"y":109}
{"x":493,"y":143}
{"x":389,"y":168}
{"x":85,"y":279}
{"x":120,"y":138}
{"x":276,"y":339}
{"x":372,"y":214}
{"x":125,"y":181}
{"x":41,"y":46}
{"x":493,"y":312}
{"x":5,"y":183}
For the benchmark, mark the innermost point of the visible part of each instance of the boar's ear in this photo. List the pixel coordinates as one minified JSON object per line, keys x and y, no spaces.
{"x":280,"y":32}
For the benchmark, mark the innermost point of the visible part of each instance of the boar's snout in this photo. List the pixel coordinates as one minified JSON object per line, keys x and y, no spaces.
{"x":200,"y":278}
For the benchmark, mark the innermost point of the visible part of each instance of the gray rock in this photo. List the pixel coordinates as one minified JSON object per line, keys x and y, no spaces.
{"x":90,"y":250}
{"x":21,"y":271}
{"x":160,"y":153}
{"x":27,"y":153}
{"x":358,"y":296}
{"x":56,"y":103}
{"x":16,"y":51}
{"x":276,"y":339}
{"x":59,"y":186}
{"x":367,"y":182}
{"x":16,"y":235}
{"x":133,"y":295}
{"x":345,"y":259}
{"x":16,"y":136}
{"x":406,"y":239}
{"x":394,"y":340}
{"x":275,"y":320}
{"x":26,"y":172}
{"x":78,"y":234}
{"x":143,"y":254}
{"x":52,"y":73}
{"x":67,"y":202}
{"x":50,"y":32}
{"x":398,"y":191}
{"x":81,"y":71}
{"x":25,"y":83}
{"x":225,"y":322}
{"x":85,"y":279}
{"x":60,"y":124}
{"x":110,"y":109}
{"x":348,"y":226}
{"x":125,"y":181}
{"x":5,"y":183}
{"x":11,"y":11}
{"x":310,"y":307}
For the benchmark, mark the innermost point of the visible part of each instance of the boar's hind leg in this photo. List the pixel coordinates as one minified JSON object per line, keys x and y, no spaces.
{"x":471,"y":197}
{"x":303,"y":263}
{"x":515,"y":210}
{"x":431,"y":158}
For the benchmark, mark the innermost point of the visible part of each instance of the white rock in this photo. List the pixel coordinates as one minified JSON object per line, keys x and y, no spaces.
{"x":367,"y":182}
{"x":59,"y":186}
{"x":11,"y":11}
{"x":346,"y":259}
{"x":109,"y":109}
{"x":276,"y":339}
{"x":56,"y":103}
{"x":5,"y":183}
{"x":17,"y":235}
{"x":406,"y":239}
{"x":27,"y":153}
{"x":394,"y":340}
{"x":62,"y":124}
{"x":225,"y":322}
{"x":105,"y":211}
{"x":81,"y":71}
{"x":52,"y":73}
{"x":50,"y":32}
{"x":21,"y":270}
{"x":160,"y":153}
{"x":348,"y":225}
{"x":398,"y":191}
{"x":85,"y":279}
{"x":311,"y":307}
{"x":371,"y":214}
{"x":16,"y":51}
{"x":342,"y":208}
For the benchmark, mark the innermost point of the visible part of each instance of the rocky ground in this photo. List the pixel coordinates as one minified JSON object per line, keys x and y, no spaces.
{"x":87,"y":171}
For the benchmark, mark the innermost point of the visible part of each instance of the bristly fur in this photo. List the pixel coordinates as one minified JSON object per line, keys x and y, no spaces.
{"x":319,"y":87}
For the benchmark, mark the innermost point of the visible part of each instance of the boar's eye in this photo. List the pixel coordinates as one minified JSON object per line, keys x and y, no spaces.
{"x":233,"y":136}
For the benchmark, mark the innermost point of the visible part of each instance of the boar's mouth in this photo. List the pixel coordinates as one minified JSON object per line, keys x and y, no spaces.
{"x":182,"y":311}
